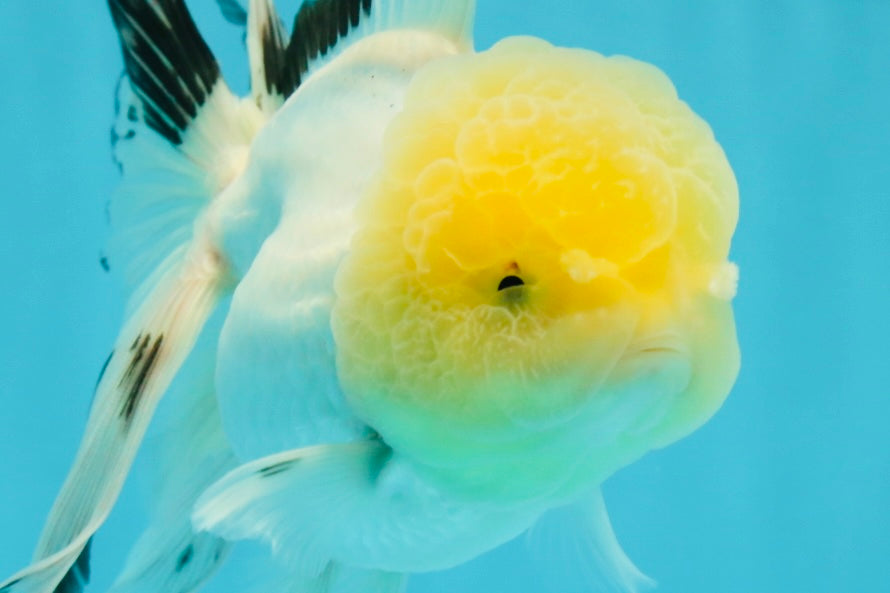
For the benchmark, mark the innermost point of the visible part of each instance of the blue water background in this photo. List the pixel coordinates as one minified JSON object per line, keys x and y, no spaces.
{"x":786,"y":489}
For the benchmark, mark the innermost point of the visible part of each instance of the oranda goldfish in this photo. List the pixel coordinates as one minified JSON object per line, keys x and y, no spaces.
{"x":448,"y":291}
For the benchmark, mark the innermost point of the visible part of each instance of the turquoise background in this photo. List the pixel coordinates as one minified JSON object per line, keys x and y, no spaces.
{"x":786,"y":489}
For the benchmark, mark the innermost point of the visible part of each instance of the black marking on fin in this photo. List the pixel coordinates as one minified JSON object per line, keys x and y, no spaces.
{"x":318,"y":26}
{"x":101,"y":376}
{"x":378,"y":462}
{"x":170,"y":67}
{"x":104,"y":368}
{"x":276,"y":468}
{"x":233,"y":12}
{"x":145,"y":354}
{"x":120,"y":166}
{"x":274,"y":46}
{"x":115,"y":134}
{"x":9,"y":586}
{"x":78,"y":576}
{"x":185,"y":557}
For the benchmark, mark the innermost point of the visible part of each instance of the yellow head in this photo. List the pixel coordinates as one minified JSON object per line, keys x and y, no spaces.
{"x":538,"y":291}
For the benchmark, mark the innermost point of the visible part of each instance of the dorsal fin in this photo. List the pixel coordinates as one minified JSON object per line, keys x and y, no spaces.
{"x":317,"y":28}
{"x":324,"y":28}
{"x":266,"y":46}
{"x":169,"y":65}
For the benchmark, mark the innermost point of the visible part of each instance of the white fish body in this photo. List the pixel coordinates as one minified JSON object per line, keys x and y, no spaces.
{"x":305,"y":175}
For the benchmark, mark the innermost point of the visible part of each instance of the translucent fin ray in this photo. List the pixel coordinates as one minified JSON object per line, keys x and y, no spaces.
{"x":251,"y":502}
{"x":180,"y":136}
{"x":581,"y":539}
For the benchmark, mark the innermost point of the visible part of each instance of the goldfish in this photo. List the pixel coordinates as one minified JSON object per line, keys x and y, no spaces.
{"x":402,"y":300}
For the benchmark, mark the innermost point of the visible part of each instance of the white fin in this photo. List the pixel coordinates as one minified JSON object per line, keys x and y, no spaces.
{"x":171,"y":557}
{"x":266,"y":47}
{"x":354,"y":504}
{"x":578,"y":539}
{"x":336,"y":515}
{"x":191,"y":452}
{"x":166,"y":188}
{"x":283,"y":499}
{"x":300,"y":502}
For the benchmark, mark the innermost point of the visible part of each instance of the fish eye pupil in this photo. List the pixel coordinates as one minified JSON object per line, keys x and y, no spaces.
{"x":510,"y":282}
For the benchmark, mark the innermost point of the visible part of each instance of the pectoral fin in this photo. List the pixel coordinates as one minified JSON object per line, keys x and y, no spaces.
{"x":299,"y":501}
{"x":306,"y":504}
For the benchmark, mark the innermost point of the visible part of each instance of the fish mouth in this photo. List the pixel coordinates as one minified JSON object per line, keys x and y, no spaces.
{"x":665,"y":343}
{"x":657,"y":350}
{"x":662,"y":353}
{"x":652,"y":359}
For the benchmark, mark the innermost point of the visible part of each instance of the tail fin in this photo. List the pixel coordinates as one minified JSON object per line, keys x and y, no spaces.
{"x":182,"y":136}
{"x":188,"y":453}
{"x":150,"y":348}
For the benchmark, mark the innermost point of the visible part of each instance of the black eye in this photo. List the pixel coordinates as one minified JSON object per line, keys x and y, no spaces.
{"x":510,"y":282}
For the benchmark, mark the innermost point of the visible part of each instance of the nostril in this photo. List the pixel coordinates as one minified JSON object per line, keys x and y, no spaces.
{"x":510,"y":282}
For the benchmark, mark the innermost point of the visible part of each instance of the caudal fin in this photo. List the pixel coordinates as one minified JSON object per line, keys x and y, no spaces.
{"x":188,"y":451}
{"x":182,"y":135}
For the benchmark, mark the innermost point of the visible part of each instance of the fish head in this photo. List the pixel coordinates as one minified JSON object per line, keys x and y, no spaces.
{"x":538,"y":287}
